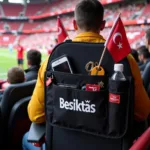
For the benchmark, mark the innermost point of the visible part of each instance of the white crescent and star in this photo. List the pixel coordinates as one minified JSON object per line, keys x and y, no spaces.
{"x":114,"y":39}
{"x":59,"y":30}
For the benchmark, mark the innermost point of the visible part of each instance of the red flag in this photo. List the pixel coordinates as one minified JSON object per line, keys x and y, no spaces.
{"x":62,"y":34}
{"x":117,"y":43}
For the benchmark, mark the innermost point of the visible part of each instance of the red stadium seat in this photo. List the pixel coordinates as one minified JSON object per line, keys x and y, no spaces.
{"x":143,"y":142}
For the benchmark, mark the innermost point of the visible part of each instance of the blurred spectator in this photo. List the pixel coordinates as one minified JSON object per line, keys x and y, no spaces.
{"x":20,"y":55}
{"x":135,"y":55}
{"x":55,"y":43}
{"x":52,"y":46}
{"x":10,"y":47}
{"x":146,"y":72}
{"x":34,"y":61}
{"x":144,"y":57}
{"x":147,"y":39}
{"x":14,"y":75}
{"x":50,"y":49}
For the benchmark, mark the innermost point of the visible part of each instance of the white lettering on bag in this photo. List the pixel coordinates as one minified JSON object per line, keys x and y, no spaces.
{"x":83,"y":106}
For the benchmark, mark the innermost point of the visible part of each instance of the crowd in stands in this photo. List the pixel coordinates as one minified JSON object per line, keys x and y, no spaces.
{"x":134,"y":34}
{"x":128,"y":12}
{"x":142,"y":57}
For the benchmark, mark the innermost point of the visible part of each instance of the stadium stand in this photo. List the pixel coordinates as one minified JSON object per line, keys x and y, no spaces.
{"x":1,"y":25}
{"x":14,"y":25}
{"x":29,"y":26}
{"x":12,"y":10}
{"x":129,"y":12}
{"x":60,"y":5}
{"x":5,"y":40}
{"x":145,"y":12}
{"x":34,"y":9}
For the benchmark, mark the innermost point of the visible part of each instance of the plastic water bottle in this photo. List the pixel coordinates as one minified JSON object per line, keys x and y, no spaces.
{"x":117,"y":100}
{"x":118,"y":75}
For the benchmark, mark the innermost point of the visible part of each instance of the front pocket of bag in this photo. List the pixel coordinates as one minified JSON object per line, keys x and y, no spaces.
{"x":78,"y":79}
{"x":79,"y":110}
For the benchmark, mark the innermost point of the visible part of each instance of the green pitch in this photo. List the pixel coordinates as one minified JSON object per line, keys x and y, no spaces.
{"x":9,"y":59}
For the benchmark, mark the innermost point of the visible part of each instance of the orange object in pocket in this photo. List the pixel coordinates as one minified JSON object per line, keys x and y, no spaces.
{"x":98,"y":70}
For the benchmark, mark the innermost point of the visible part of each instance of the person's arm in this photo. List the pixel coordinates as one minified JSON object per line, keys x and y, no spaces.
{"x":36,"y":105}
{"x":142,"y":102}
{"x":146,"y":76}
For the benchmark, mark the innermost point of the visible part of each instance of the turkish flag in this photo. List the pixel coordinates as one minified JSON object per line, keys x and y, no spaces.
{"x":117,"y":43}
{"x":62,"y":34}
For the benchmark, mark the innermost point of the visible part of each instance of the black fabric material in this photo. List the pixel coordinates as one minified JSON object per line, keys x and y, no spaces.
{"x":117,"y":119}
{"x":146,"y":78}
{"x":148,"y":90}
{"x":77,"y":79}
{"x":12,"y":95}
{"x":79,"y":119}
{"x":72,"y":140}
{"x":18,"y":123}
{"x":31,"y":73}
{"x":79,"y":54}
{"x":1,"y":95}
{"x":142,"y":67}
{"x":72,"y":108}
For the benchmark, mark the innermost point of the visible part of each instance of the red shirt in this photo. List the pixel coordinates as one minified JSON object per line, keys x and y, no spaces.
{"x":20,"y":50}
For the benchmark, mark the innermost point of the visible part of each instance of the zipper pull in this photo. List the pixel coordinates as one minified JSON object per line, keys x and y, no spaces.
{"x":49,"y":80}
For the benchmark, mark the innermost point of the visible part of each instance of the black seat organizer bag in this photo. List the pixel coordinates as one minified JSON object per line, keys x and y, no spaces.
{"x":77,"y":119}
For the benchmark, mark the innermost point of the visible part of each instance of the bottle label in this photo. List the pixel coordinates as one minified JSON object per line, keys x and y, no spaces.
{"x":114,"y":98}
{"x":92,"y":87}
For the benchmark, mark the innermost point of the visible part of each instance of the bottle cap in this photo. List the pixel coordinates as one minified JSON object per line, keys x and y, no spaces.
{"x":118,"y":67}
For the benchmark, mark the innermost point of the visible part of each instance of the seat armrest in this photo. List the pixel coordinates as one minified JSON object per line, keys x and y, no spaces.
{"x":143,"y":142}
{"x":36,"y":133}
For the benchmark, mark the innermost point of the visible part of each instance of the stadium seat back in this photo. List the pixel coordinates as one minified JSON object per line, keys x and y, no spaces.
{"x":66,"y":132}
{"x":11,"y":96}
{"x":18,"y":123}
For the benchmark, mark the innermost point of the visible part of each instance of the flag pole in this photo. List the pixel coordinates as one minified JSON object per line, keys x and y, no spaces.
{"x":104,"y":50}
{"x":101,"y":58}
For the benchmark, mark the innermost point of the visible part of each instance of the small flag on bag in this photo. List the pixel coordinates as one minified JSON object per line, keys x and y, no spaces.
{"x":117,"y":43}
{"x":62,"y":34}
